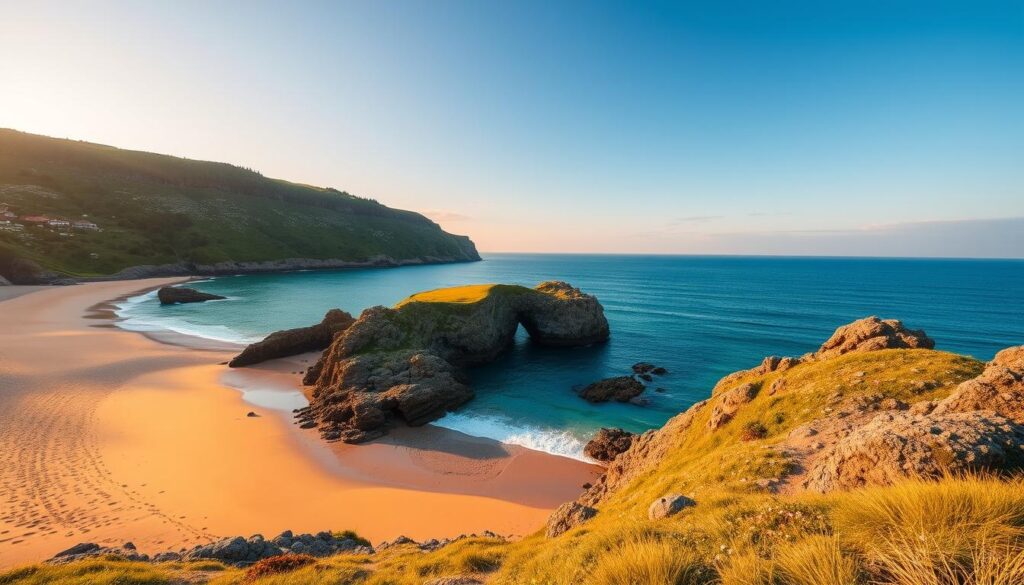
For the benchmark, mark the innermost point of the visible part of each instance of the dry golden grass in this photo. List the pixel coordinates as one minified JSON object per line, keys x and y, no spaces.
{"x":457,"y":294}
{"x":649,"y":561}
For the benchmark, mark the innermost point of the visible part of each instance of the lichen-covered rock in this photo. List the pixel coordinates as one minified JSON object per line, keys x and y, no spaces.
{"x":568,"y":516}
{"x":170,"y":295}
{"x":619,"y":389}
{"x":872,"y":334}
{"x":668,"y":505}
{"x":295,"y":341}
{"x":402,"y":364}
{"x":999,"y":388}
{"x":608,"y":444}
{"x":727,"y":403}
{"x":897,"y":445}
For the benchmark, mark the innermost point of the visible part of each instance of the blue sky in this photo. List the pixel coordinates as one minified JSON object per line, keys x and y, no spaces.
{"x":782,"y":127}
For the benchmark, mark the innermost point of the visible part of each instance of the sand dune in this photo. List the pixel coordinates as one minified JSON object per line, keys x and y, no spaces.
{"x":108,"y":436}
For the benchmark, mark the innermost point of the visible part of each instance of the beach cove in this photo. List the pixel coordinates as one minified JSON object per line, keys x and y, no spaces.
{"x":108,"y":435}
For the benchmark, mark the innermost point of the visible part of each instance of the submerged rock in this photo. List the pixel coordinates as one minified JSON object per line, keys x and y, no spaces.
{"x":295,"y":341}
{"x":619,"y":388}
{"x":170,"y":295}
{"x":607,"y":444}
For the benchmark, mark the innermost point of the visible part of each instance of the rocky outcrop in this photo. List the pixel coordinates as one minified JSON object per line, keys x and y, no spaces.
{"x":4,"y":281}
{"x":897,"y":445}
{"x":999,"y":388}
{"x":729,"y":402}
{"x":362,"y":395}
{"x":669,"y":505}
{"x":170,"y":295}
{"x":404,"y":364}
{"x":872,"y":334}
{"x":608,"y":444}
{"x":238,"y":551}
{"x":568,"y":516}
{"x":867,"y":334}
{"x":619,"y":389}
{"x":295,"y":341}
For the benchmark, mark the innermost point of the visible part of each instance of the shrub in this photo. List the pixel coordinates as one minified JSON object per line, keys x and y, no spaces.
{"x":753,"y":431}
{"x":277,"y":565}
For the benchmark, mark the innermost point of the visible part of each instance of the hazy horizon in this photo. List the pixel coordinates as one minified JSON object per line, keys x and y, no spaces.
{"x":881,"y":130}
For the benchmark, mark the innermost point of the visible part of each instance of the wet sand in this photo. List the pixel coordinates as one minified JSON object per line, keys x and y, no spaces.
{"x":108,"y":436}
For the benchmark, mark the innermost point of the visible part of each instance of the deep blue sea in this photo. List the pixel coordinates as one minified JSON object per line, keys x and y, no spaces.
{"x":700,"y":317}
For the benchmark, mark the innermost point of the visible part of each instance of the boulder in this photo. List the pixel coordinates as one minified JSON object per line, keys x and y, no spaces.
{"x":170,"y":295}
{"x":668,"y":505}
{"x":999,"y":388}
{"x":295,"y":341}
{"x":872,"y":334}
{"x":607,"y":444}
{"x":4,"y":281}
{"x":366,"y":393}
{"x":568,"y":516}
{"x":619,"y":388}
{"x":901,"y":444}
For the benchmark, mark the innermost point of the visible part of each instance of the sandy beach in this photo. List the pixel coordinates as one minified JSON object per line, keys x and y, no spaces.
{"x":108,"y":436}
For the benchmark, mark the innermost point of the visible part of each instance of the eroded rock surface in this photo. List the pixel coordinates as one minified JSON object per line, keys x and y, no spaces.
{"x":872,"y":334}
{"x":170,"y":295}
{"x":295,"y":341}
{"x":897,"y":445}
{"x":568,"y":516}
{"x":403,"y":364}
{"x":999,"y":388}
{"x":608,"y":444}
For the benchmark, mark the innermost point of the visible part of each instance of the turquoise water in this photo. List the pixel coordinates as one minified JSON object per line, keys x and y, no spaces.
{"x":700,"y":317}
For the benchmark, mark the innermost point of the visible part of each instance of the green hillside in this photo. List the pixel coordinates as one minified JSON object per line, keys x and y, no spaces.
{"x":154,"y":209}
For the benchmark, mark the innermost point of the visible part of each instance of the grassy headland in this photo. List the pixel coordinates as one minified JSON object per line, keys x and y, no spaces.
{"x":137,"y":208}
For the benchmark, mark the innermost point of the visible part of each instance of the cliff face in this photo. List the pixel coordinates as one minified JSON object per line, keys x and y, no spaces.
{"x":403,"y":364}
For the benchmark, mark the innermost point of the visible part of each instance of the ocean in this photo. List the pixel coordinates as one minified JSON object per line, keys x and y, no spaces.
{"x":701,"y":317}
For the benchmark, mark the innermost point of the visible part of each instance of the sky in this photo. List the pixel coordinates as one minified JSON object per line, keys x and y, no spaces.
{"x":839,"y":128}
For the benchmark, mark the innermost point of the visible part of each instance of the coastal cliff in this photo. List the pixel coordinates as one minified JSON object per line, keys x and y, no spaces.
{"x":80,"y":211}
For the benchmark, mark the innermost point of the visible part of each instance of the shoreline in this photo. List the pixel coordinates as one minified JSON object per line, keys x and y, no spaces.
{"x":125,"y":437}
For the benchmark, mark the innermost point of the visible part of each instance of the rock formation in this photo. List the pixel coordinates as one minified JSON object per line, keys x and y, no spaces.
{"x":896,"y":445}
{"x":403,"y":364}
{"x":607,"y":444}
{"x":863,"y":439}
{"x":999,"y":388}
{"x":669,"y":505}
{"x":871,"y":334}
{"x":619,"y":389}
{"x":568,"y":516}
{"x":170,"y":295}
{"x":295,"y":341}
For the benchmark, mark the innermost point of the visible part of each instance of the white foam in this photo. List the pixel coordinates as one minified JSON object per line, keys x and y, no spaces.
{"x":554,"y":441}
{"x":132,"y":319}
